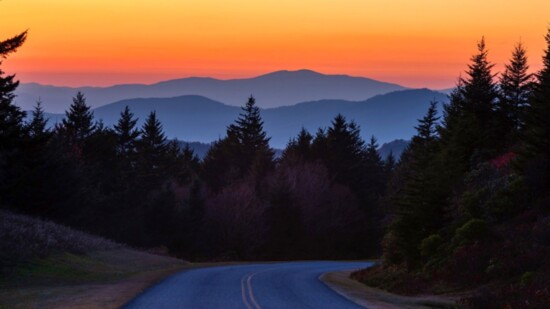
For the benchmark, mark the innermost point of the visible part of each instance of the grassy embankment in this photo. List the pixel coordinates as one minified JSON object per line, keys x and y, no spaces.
{"x":45,"y":265}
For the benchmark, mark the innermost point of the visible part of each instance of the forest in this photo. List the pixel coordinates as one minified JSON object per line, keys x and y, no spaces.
{"x":466,"y":205}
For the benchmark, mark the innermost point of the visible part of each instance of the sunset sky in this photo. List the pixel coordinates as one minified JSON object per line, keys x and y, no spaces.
{"x":423,"y":43}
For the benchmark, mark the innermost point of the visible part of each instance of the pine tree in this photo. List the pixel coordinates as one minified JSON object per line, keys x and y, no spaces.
{"x":299,"y":148}
{"x":470,"y":130}
{"x":127,"y":134}
{"x":389,"y":164}
{"x":343,"y":150}
{"x":78,"y":123}
{"x":11,"y":116}
{"x":375,"y":177}
{"x":38,"y":125}
{"x":244,"y":151}
{"x":515,"y":91}
{"x":152,"y":146}
{"x":251,"y":137}
{"x":536,"y":146}
{"x":419,"y":198}
{"x":372,"y":155}
{"x":12,"y":129}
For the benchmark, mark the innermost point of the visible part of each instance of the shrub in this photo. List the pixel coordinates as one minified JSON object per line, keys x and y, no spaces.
{"x":527,"y":278}
{"x":472,"y":202}
{"x":430,"y":244}
{"x":471,"y":230}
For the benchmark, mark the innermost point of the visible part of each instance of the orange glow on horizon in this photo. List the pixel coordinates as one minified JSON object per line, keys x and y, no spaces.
{"x":424,"y":43}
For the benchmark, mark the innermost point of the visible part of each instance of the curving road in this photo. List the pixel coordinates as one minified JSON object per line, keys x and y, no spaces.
{"x":280,"y":285}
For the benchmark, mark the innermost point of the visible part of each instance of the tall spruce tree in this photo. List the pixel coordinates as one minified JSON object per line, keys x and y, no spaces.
{"x":11,"y":116}
{"x":127,"y":134}
{"x":299,"y":148}
{"x":376,"y":177}
{"x":244,"y":151}
{"x":516,"y":86}
{"x":536,"y":146}
{"x":470,"y":132}
{"x":78,"y":124}
{"x":419,"y":199}
{"x":152,"y":146}
{"x":38,"y":125}
{"x":389,"y":164}
{"x":251,"y":137}
{"x":342,"y":150}
{"x":12,"y":128}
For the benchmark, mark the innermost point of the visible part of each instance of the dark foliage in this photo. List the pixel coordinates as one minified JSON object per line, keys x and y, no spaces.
{"x":467,"y":208}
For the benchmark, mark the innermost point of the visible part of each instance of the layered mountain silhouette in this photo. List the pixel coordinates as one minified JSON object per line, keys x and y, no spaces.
{"x":271,"y":90}
{"x":195,"y":118}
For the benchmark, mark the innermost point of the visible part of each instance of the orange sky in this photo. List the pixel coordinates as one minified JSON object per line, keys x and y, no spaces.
{"x":423,"y":43}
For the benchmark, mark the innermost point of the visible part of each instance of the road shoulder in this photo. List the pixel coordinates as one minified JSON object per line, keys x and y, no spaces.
{"x":373,"y":298}
{"x":106,"y":279}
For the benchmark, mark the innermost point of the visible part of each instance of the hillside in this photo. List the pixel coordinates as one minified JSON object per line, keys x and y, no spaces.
{"x":49,"y":265}
{"x":272,"y":90}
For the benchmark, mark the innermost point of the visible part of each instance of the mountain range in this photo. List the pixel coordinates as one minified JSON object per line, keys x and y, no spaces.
{"x":271,"y":90}
{"x":389,"y":116}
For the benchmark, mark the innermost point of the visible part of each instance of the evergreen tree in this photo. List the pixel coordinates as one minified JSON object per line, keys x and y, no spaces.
{"x":12,"y":128}
{"x":252,"y":140}
{"x":419,"y":199}
{"x":376,"y":177}
{"x":537,"y":134}
{"x":299,"y":148}
{"x":372,"y":155}
{"x":38,"y":126}
{"x":152,"y":146}
{"x":344,"y":151}
{"x":78,"y":123}
{"x":389,"y":164}
{"x":515,"y":91}
{"x":11,"y":116}
{"x":127,"y":134}
{"x":244,"y":151}
{"x":470,"y":130}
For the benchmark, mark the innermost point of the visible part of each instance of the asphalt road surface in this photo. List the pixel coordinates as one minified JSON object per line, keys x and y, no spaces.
{"x":251,"y":286}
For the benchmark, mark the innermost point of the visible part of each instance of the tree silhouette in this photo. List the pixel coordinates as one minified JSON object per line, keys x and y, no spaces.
{"x":516,"y":86}
{"x":537,"y":135}
{"x":12,"y":130}
{"x":469,"y":133}
{"x":299,"y":148}
{"x":244,"y":151}
{"x":152,"y":146}
{"x":78,"y":123}
{"x":127,"y":134}
{"x":252,"y":140}
{"x":38,"y":125}
{"x":419,"y":198}
{"x":11,"y":116}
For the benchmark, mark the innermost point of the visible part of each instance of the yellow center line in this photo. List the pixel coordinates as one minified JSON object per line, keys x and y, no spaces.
{"x":247,"y":292}
{"x":250,"y":291}
{"x":244,"y":293}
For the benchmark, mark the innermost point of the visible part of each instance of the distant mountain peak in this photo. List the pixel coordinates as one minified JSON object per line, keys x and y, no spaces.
{"x":292,"y":73}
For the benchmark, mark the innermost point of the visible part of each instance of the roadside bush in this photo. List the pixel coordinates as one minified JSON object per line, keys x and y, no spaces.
{"x":471,"y":230}
{"x":430,"y":244}
{"x":507,"y":201}
{"x":472,"y":202}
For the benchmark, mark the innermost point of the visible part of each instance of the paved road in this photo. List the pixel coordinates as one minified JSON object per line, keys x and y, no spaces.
{"x":280,"y":285}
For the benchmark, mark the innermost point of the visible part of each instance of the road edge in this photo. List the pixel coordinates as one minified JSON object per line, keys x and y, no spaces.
{"x":373,"y":298}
